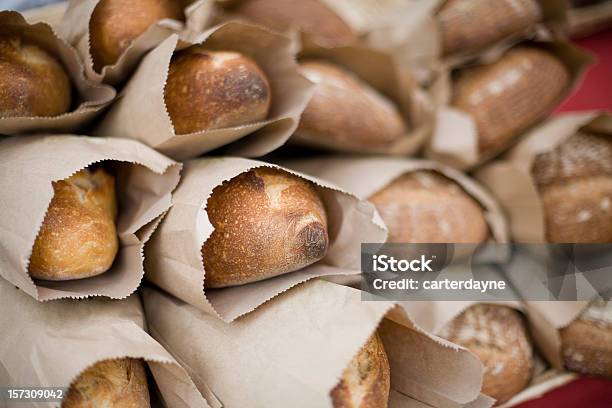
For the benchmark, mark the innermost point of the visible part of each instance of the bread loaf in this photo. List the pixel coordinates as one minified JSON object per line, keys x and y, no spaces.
{"x":267,"y":223}
{"x":345,"y":113}
{"x":470,"y":25}
{"x":110,"y":383}
{"x":78,"y":237}
{"x":215,"y":89}
{"x":426,"y":207}
{"x":507,"y":96}
{"x":587,"y":341}
{"x":497,"y":335}
{"x":32,"y":81}
{"x":366,"y":381}
{"x":310,"y":16}
{"x":115,"y":24}
{"x":575,"y":184}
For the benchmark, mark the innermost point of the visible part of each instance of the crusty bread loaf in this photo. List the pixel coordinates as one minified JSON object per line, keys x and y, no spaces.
{"x":32,"y":81}
{"x":498,"y":336}
{"x":345,"y":113}
{"x":78,"y":237}
{"x":366,"y":381}
{"x":426,"y":207}
{"x":110,"y":383}
{"x":115,"y":24}
{"x":575,"y":185}
{"x":470,"y":25}
{"x":507,"y":96}
{"x":587,"y":341}
{"x":311,"y":16}
{"x":267,"y":223}
{"x":215,"y":89}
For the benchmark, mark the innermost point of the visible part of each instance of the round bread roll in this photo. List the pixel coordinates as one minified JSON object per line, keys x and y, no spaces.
{"x":110,"y":383}
{"x":497,"y":335}
{"x":32,"y":81}
{"x":215,"y":89}
{"x":115,"y":24}
{"x":507,"y":96}
{"x":575,"y":184}
{"x":366,"y":381}
{"x":426,"y":207}
{"x":346,"y":113}
{"x":310,"y":16}
{"x":267,"y":223}
{"x":469,"y":25}
{"x":587,"y":341}
{"x":78,"y":237}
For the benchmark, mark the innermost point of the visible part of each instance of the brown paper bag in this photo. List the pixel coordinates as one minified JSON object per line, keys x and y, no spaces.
{"x":510,"y":180}
{"x":174,"y":254}
{"x":455,"y":139}
{"x":89,"y":98}
{"x":50,"y":344}
{"x":365,"y":176}
{"x":140,"y":113}
{"x":144,"y":184}
{"x":293,"y":350}
{"x":75,"y":29}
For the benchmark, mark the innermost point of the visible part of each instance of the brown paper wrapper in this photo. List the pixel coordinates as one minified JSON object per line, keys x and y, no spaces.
{"x":49,"y":345}
{"x":141,"y":111}
{"x":366,"y":176}
{"x":294,"y":349}
{"x":174,"y":254}
{"x":510,"y":180}
{"x":144,"y":185}
{"x":74,"y":27}
{"x":455,"y":139}
{"x":381,"y":71}
{"x":89,"y":98}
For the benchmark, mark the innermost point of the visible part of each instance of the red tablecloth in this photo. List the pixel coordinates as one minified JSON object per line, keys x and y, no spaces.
{"x":581,"y":393}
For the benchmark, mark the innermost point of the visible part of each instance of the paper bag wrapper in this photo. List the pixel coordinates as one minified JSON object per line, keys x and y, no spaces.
{"x":510,"y":179}
{"x":382,"y":72}
{"x":74,"y":27}
{"x":140,"y":113}
{"x":144,"y":181}
{"x":51,"y":14}
{"x":88,"y":97}
{"x":51,"y":344}
{"x":293,"y":350}
{"x":366,"y":176}
{"x":455,"y":139}
{"x":174,"y":254}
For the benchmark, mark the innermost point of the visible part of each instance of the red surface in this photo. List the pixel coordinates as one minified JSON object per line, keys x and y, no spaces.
{"x":581,"y":393}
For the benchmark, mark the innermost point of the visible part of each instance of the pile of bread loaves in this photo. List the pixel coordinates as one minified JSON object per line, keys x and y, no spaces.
{"x":500,"y":64}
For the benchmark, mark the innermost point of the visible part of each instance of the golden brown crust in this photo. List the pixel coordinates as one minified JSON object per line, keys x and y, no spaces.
{"x":32,"y":81}
{"x":115,"y":24}
{"x":587,"y":341}
{"x":507,"y":96}
{"x":366,"y":381}
{"x":469,"y":25}
{"x":497,"y":335}
{"x":78,"y":237}
{"x":110,"y":383}
{"x":426,"y":207}
{"x":575,"y":185}
{"x":311,"y":16}
{"x":267,"y":223}
{"x":215,"y":89}
{"x":346,"y":112}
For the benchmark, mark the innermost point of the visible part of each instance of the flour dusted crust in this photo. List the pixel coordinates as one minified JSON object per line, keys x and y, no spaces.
{"x":366,"y":381}
{"x":110,"y":383}
{"x":587,"y":341}
{"x":497,"y":335}
{"x":426,"y":207}
{"x":267,"y":223}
